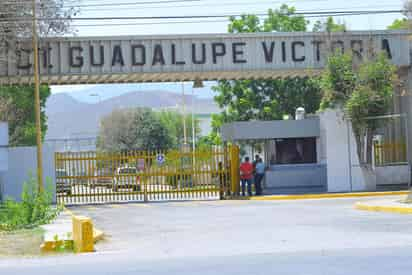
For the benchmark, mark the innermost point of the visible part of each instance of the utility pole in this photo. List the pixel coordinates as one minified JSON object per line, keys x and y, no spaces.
{"x":184,"y":115}
{"x":37,"y":102}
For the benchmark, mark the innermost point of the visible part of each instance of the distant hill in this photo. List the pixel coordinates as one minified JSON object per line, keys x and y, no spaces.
{"x":105,"y":91}
{"x":68,"y":117}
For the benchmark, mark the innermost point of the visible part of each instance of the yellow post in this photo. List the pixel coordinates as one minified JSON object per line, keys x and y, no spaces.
{"x":234,"y":170}
{"x":83,"y":234}
{"x":144,"y":176}
{"x":37,"y":101}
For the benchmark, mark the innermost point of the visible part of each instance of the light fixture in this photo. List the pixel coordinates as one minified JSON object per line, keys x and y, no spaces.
{"x":198,"y":83}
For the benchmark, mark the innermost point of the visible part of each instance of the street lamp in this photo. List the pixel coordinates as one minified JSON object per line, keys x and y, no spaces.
{"x":184,"y":117}
{"x":197,"y":84}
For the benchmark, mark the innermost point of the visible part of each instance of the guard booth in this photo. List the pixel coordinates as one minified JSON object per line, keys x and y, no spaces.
{"x":291,"y":152}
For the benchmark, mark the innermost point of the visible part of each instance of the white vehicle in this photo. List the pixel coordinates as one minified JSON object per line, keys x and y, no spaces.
{"x":127,"y":177}
{"x":63,"y":184}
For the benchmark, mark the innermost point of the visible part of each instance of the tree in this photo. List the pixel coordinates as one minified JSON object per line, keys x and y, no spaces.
{"x":329,"y":26}
{"x":372,"y":97}
{"x":407,"y":7}
{"x":244,"y":100}
{"x":20,"y":115}
{"x":133,"y":129}
{"x":338,"y":81}
{"x":362,"y":93}
{"x":404,"y":23}
{"x":399,"y":24}
{"x":173,"y":121}
{"x":13,"y":27}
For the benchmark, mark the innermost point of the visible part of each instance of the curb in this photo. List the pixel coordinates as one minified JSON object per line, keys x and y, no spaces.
{"x":383,"y":208}
{"x":326,"y":196}
{"x":50,"y":246}
{"x":98,"y":235}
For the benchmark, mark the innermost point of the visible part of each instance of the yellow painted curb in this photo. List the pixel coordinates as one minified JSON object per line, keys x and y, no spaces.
{"x":383,"y":208}
{"x":50,"y":246}
{"x":326,"y":196}
{"x":98,"y":235}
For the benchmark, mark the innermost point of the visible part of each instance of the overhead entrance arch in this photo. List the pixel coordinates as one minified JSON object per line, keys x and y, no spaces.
{"x":90,"y":177}
{"x":83,"y":60}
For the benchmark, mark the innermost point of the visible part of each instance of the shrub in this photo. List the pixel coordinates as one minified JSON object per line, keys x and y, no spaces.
{"x":34,"y":209}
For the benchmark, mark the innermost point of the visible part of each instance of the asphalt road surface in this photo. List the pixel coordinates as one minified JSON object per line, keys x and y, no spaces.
{"x":237,"y":237}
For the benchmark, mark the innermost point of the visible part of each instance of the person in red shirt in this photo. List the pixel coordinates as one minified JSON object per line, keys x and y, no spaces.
{"x":246,"y":175}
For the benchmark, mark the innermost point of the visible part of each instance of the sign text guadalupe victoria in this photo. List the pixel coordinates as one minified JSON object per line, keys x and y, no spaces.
{"x":199,"y":53}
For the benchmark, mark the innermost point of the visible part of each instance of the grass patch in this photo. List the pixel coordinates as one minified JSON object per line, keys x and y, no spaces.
{"x":34,"y":209}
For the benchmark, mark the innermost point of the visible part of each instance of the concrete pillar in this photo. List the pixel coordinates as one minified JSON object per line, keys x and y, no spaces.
{"x":82,"y":234}
{"x":343,"y":170}
{"x":405,"y":77}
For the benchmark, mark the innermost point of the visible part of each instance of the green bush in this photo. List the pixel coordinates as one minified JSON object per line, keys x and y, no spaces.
{"x":34,"y":209}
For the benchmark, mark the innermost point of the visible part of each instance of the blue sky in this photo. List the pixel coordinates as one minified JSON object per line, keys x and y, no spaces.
{"x":208,"y":7}
{"x":213,"y":7}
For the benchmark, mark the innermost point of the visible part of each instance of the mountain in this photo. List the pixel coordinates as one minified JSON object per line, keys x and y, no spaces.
{"x":84,"y":93}
{"x":68,"y":117}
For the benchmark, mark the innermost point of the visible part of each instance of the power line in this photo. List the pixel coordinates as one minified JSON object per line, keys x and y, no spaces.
{"x":151,"y":23}
{"x":95,"y":7}
{"x":221,"y":5}
{"x":195,"y":22}
{"x":108,"y":4}
{"x":303,"y":13}
{"x":189,"y":6}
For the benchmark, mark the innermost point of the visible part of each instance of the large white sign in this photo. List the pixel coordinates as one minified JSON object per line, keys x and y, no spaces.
{"x":207,"y":57}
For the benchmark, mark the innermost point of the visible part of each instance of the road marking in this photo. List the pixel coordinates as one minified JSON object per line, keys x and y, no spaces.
{"x":91,"y":208}
{"x":141,"y":205}
{"x":117,"y":205}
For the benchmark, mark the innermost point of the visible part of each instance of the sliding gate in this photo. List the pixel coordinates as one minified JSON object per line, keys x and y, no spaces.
{"x":98,"y":177}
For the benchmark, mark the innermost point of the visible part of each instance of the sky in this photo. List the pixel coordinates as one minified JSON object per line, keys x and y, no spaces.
{"x":213,"y":7}
{"x":96,"y":8}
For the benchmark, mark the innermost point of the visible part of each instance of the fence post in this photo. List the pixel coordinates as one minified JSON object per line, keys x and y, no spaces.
{"x":234,"y":170}
{"x":144,"y":176}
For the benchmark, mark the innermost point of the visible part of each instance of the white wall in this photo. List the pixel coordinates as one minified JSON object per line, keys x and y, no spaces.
{"x":4,"y":141}
{"x":392,"y":175}
{"x":22,"y":162}
{"x":338,"y":142}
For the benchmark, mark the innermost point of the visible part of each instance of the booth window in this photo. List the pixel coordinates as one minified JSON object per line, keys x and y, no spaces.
{"x":295,"y":151}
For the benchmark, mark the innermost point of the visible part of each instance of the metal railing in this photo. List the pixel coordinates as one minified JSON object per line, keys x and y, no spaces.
{"x":390,"y":154}
{"x":98,"y":177}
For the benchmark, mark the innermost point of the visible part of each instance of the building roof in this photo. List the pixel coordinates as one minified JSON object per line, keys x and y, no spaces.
{"x":258,"y":130}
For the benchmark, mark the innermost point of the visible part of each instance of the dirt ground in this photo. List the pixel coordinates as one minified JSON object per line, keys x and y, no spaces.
{"x":21,"y":243}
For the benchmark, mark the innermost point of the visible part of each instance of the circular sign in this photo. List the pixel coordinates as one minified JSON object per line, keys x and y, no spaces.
{"x":160,"y":159}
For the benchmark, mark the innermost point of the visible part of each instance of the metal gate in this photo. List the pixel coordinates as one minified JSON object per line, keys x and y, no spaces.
{"x":99,"y":177}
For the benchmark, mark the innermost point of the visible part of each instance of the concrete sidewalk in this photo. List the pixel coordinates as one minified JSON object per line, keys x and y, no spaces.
{"x":325,"y":196}
{"x":60,"y":230}
{"x":386,"y":205}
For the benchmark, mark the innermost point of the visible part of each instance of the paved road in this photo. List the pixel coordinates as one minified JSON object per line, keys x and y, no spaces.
{"x":238,"y":237}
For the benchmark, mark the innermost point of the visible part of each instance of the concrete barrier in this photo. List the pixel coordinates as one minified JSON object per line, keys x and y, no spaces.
{"x":83,"y":240}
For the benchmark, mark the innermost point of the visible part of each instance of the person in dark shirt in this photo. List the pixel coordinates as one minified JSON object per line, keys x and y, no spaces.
{"x":259,"y":174}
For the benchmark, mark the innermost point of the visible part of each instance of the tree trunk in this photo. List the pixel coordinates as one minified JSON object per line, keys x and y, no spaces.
{"x":369,"y":141}
{"x":365,"y":144}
